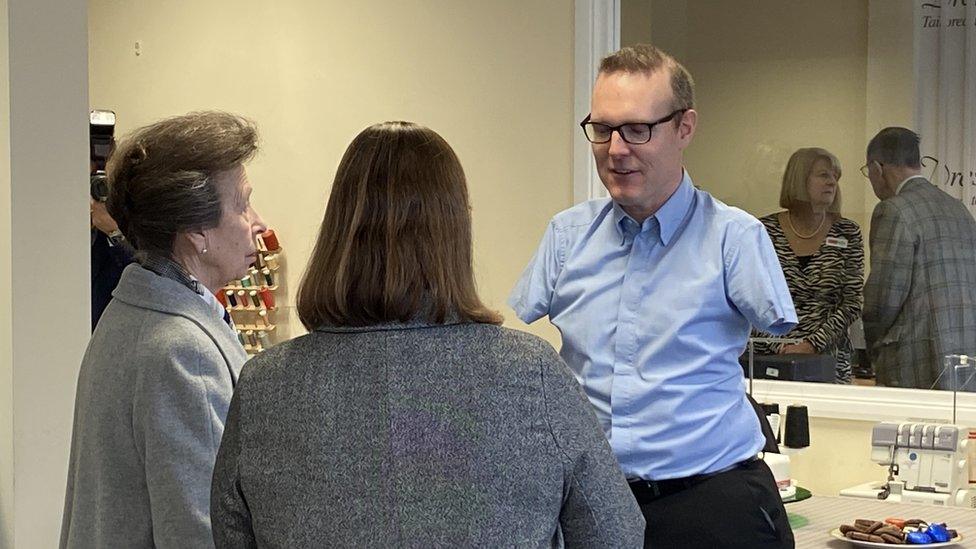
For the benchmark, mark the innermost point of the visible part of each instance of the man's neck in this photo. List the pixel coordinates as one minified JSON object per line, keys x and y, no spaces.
{"x":900,"y":176}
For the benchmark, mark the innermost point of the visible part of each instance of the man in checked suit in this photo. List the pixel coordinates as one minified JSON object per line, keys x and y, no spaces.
{"x":920,"y":296}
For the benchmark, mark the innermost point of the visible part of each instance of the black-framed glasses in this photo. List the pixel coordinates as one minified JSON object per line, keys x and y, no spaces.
{"x":635,"y":133}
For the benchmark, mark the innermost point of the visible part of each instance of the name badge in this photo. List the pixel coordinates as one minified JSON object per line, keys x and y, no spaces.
{"x":836,"y":242}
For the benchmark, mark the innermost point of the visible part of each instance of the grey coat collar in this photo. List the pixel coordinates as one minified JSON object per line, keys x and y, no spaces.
{"x":145,"y":289}
{"x":911,"y":181}
{"x":392,"y":326}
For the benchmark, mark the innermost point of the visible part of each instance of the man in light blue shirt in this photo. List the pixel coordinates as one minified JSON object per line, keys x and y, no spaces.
{"x":654,"y":291}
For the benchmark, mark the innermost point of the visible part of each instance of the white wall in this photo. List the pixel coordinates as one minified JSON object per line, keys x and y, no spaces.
{"x":494,"y":78}
{"x":6,"y":291}
{"x":44,"y":258}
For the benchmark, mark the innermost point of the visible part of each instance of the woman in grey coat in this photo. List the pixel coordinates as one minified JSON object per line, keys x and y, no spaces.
{"x":158,"y":375}
{"x":408,"y":417}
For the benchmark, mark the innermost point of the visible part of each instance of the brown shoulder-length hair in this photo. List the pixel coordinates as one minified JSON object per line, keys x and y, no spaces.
{"x":395,"y":243}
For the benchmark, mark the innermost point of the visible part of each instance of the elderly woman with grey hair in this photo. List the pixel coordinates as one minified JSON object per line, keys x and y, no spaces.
{"x":157,"y":378}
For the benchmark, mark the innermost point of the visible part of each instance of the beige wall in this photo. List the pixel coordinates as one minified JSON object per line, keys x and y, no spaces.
{"x":838,"y":457}
{"x":494,"y":78}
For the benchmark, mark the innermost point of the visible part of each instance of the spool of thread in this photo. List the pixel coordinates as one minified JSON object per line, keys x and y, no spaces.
{"x":797,"y":433}
{"x":268,"y":277}
{"x":246,"y":282}
{"x":263,"y":339}
{"x":270,"y":240}
{"x":241,"y":298}
{"x":249,"y":337}
{"x":263,"y":318}
{"x":769,"y":407}
{"x":222,"y":298}
{"x":259,"y":262}
{"x":240,"y":337}
{"x":272,"y":261}
{"x":253,"y":294}
{"x":231,"y":300}
{"x":771,"y":411}
{"x":256,"y":278}
{"x":268,"y":298}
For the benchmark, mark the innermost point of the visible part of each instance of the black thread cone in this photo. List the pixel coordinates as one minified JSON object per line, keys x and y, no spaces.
{"x":797,"y":433}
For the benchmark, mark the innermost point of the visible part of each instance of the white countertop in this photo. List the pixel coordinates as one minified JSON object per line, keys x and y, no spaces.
{"x":824,"y":513}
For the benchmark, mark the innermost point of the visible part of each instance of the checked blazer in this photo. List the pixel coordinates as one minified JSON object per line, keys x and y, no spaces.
{"x":920,"y":295}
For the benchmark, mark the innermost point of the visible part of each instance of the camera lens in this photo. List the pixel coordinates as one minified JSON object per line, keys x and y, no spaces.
{"x":99,"y":186}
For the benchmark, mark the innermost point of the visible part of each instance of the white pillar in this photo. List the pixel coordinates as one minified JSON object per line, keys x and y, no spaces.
{"x":597,"y":34}
{"x":44,"y":257}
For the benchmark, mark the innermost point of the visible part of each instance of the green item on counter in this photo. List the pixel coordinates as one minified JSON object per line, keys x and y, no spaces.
{"x":797,"y":521}
{"x":801,"y":494}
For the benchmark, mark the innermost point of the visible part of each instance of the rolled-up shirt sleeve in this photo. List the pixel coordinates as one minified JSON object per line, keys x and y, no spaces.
{"x":532,"y":294}
{"x":755,"y":282}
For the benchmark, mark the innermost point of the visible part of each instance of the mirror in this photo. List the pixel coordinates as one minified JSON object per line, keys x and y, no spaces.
{"x":773,"y":77}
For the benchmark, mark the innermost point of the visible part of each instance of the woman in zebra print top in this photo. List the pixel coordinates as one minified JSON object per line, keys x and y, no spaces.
{"x":822,"y":256}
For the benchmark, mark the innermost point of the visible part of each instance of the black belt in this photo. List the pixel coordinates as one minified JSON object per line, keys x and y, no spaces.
{"x":646,"y":491}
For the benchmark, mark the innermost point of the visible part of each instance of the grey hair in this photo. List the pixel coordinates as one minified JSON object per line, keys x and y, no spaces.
{"x":161,"y":177}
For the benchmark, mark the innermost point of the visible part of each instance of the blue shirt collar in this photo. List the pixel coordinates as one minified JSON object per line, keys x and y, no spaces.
{"x":668,"y":217}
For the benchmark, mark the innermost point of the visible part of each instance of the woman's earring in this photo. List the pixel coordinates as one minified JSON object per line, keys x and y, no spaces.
{"x":203,"y":251}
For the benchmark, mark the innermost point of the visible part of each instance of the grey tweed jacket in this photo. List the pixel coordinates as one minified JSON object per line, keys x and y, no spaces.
{"x":153,"y":392}
{"x":920,"y":297}
{"x":417,"y":435}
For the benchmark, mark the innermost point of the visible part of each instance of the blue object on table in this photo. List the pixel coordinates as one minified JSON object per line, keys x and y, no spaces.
{"x":938,"y":532}
{"x":919,"y":538}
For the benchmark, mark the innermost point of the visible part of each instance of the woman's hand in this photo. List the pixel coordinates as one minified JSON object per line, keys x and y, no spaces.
{"x":802,"y":348}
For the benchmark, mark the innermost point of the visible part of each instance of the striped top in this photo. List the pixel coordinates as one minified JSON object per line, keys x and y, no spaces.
{"x":826,"y":292}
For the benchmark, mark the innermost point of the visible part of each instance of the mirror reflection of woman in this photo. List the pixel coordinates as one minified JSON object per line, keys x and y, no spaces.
{"x":822,"y":256}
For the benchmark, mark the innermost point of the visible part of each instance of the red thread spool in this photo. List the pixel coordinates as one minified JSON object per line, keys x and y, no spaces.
{"x":268,"y":298}
{"x":270,"y":240}
{"x":222,"y":299}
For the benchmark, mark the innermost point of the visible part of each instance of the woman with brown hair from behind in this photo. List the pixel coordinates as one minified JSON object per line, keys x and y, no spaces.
{"x":407,"y":417}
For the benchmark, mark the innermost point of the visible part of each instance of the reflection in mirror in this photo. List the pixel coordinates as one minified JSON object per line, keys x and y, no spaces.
{"x":776,"y":78}
{"x":920,"y":298}
{"x":822,"y":257}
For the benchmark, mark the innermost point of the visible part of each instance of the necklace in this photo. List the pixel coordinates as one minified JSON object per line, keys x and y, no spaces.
{"x":789,"y":221}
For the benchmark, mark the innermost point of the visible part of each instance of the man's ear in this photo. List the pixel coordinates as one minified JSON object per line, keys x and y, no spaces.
{"x":686,"y":128}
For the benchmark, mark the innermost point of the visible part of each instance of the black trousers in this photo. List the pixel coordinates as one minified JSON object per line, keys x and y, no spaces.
{"x":740,"y":508}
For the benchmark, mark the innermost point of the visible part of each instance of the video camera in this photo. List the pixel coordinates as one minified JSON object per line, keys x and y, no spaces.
{"x":101,"y":133}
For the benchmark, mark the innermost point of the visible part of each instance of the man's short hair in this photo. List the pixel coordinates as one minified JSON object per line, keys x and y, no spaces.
{"x":648,"y":59}
{"x":895,"y":146}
